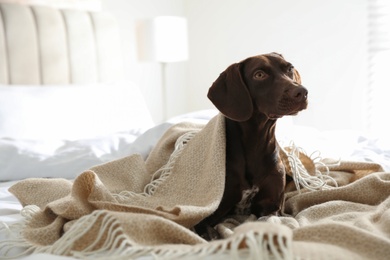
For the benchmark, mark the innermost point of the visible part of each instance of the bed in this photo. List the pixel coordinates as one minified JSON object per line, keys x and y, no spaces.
{"x":69,"y":121}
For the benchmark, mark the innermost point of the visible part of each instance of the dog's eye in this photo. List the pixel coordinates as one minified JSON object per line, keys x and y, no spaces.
{"x":260,"y":75}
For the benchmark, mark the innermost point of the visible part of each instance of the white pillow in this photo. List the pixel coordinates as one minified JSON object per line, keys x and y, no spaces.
{"x":71,"y":112}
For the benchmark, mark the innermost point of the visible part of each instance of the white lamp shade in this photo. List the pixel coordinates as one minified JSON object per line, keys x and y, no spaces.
{"x":163,"y":39}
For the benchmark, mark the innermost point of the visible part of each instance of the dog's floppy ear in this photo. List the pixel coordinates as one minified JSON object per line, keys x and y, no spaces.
{"x":297,"y":77}
{"x":230,"y":94}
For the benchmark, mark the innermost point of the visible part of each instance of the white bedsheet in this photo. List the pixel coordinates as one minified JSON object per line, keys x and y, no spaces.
{"x":9,"y":211}
{"x":10,"y":207}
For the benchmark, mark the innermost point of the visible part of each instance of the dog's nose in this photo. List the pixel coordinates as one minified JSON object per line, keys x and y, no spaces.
{"x":299,"y":94}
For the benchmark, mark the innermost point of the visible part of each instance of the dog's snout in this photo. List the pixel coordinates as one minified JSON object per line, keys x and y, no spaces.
{"x":299,"y":94}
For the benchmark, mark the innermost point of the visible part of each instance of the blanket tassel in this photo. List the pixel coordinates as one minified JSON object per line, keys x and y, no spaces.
{"x":250,"y":241}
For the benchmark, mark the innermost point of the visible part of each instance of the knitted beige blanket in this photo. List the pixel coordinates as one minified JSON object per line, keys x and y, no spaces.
{"x":130,"y":208}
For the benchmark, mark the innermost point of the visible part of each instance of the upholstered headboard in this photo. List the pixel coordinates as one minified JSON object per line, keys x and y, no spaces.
{"x":42,"y":45}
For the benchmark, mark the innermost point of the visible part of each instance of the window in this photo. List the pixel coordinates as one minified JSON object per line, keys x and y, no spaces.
{"x":379,"y":67}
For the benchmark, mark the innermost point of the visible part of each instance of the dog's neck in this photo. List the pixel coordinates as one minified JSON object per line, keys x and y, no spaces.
{"x":259,"y":133}
{"x":259,"y":145}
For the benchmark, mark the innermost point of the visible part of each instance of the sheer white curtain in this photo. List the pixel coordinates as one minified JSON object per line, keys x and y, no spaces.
{"x":379,"y":67}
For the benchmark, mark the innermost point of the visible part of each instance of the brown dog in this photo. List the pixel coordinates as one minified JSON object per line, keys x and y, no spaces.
{"x":252,"y":95}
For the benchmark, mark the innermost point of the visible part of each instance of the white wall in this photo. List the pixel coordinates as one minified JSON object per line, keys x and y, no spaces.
{"x":326,"y":41}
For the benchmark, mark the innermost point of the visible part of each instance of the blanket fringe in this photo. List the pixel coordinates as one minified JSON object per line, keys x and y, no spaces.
{"x":64,"y":246}
{"x":16,"y":246}
{"x":112,"y":243}
{"x":164,"y":172}
{"x":108,"y":225}
{"x":302,"y":177}
{"x":252,"y":244}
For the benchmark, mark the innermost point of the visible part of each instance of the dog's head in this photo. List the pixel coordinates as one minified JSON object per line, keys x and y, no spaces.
{"x":265,"y":83}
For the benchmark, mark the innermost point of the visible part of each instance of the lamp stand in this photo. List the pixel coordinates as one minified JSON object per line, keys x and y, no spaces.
{"x":164,"y":101}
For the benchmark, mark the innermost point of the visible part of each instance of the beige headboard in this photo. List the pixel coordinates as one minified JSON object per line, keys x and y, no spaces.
{"x":42,"y":45}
